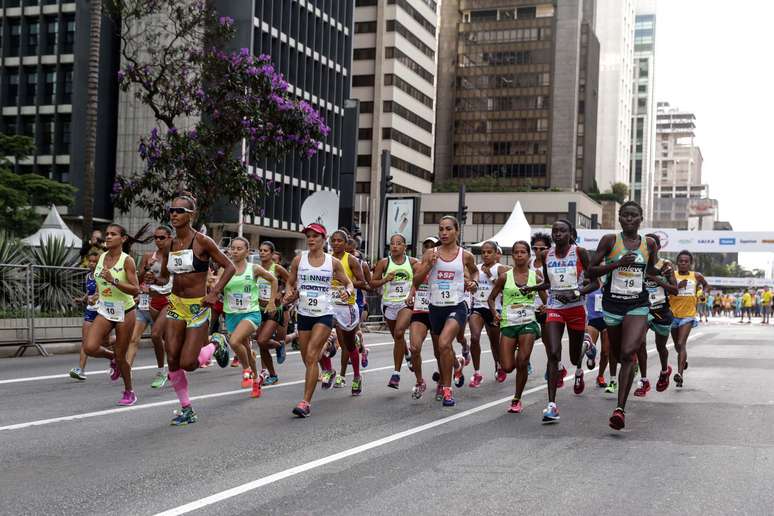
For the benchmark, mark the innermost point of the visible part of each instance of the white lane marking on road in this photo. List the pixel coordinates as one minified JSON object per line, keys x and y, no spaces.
{"x":281,"y":475}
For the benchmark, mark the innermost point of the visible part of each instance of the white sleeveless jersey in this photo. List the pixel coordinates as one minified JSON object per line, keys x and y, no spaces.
{"x":485,"y":286}
{"x":565,"y":275}
{"x":315,"y":287}
{"x":538,"y":301}
{"x":447,"y":281}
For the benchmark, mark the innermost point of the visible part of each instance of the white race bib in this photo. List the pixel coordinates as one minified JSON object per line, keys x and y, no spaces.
{"x":688,"y":290}
{"x":264,"y":291}
{"x":313,"y":303}
{"x":422,"y":300}
{"x":482,"y":294}
{"x":112,"y":310}
{"x":442,"y":295}
{"x":517,"y":315}
{"x":563,"y":278}
{"x":336,"y":293}
{"x":143,"y":303}
{"x":397,"y":290}
{"x":180,"y":262}
{"x":238,"y":302}
{"x":598,"y":304}
{"x":626,"y":282}
{"x":657,"y":297}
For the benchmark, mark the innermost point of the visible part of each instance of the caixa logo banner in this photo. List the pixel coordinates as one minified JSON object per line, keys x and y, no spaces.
{"x":673,"y":240}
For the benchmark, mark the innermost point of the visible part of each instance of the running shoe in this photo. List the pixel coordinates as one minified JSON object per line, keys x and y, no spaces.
{"x":340,"y":382}
{"x":515,"y":407}
{"x":601,"y":383}
{"x":612,"y":387}
{"x":271,"y":379}
{"x":357,"y":386}
{"x":448,"y":397}
{"x":394,"y":382}
{"x":235,"y":361}
{"x":438,"y":392}
{"x":459,"y":378}
{"x":618,"y":419}
{"x":643,"y":388}
{"x":159,"y":381}
{"x":500,"y":375}
{"x":221,"y":349}
{"x":256,"y":390}
{"x":408,"y":361}
{"x":364,"y":358}
{"x":330,"y":348}
{"x":129,"y":398}
{"x":678,"y":378}
{"x":436,"y":377}
{"x":247,"y":379}
{"x":551,"y":413}
{"x":418,"y":390}
{"x":685,"y":366}
{"x":114,"y":372}
{"x":76,"y":373}
{"x":591,"y":356}
{"x":327,"y":379}
{"x":562,"y":374}
{"x":530,"y":369}
{"x":282,"y":353}
{"x":579,"y":384}
{"x":303,"y":409}
{"x":185,"y":416}
{"x":663,"y":379}
{"x":466,"y":351}
{"x":475,"y":382}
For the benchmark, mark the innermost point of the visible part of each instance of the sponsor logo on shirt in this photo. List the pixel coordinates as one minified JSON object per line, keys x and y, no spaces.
{"x":445,"y":275}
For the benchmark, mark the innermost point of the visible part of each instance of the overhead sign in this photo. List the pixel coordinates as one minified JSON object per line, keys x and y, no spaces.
{"x":717,"y":281}
{"x":673,"y":240}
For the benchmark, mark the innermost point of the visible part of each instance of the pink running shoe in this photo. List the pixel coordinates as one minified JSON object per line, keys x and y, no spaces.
{"x":515,"y":407}
{"x":501,"y":375}
{"x":129,"y":399}
{"x":562,"y":374}
{"x":114,"y":372}
{"x":475,"y":382}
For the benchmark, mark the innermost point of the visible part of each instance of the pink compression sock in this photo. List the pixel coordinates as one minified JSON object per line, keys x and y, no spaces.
{"x":325,"y":362}
{"x":354,"y":357}
{"x":206,"y":354}
{"x":180,"y":383}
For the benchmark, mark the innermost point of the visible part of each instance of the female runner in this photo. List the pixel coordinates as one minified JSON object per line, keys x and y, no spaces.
{"x":450,"y":272}
{"x":684,"y":309}
{"x":271,"y":323}
{"x":482,"y":316}
{"x":117,"y":285}
{"x":311,"y":282}
{"x":188,"y":313}
{"x":395,"y":273}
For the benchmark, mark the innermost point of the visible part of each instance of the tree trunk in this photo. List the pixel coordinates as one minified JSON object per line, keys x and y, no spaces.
{"x":95,"y":19}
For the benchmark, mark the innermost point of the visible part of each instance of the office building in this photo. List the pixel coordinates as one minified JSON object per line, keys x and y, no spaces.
{"x":517,"y":94}
{"x":43,"y":94}
{"x":614,"y":26}
{"x":394,"y":78}
{"x":643,"y":150}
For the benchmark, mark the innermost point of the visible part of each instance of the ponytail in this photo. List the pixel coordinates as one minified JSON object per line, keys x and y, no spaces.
{"x":138,"y":238}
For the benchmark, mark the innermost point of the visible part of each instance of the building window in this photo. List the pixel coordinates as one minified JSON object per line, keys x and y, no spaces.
{"x":362,"y":80}
{"x":363,"y":187}
{"x":364,"y":160}
{"x":14,"y":38}
{"x":67,"y":85}
{"x":486,"y":217}
{"x":33,"y":35}
{"x":389,"y":133}
{"x":12,"y":94}
{"x":365,"y":27}
{"x":49,"y":92}
{"x":433,"y":217}
{"x":47,"y":130}
{"x":365,"y":133}
{"x":360,"y":54}
{"x":28,"y":126}
{"x":421,"y":20}
{"x":30,"y":86}
{"x":394,"y":80}
{"x":390,"y":106}
{"x":523,"y":13}
{"x":52,"y":35}
{"x":398,"y":55}
{"x":410,"y":168}
{"x":395,"y":26}
{"x":64,"y":142}
{"x":367,"y":107}
{"x":69,"y":36}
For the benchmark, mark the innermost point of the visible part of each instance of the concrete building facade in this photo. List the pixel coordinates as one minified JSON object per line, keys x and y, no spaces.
{"x":614,"y":26}
{"x":394,"y":78}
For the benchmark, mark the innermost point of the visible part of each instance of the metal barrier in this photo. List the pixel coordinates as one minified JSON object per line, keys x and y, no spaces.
{"x":39,"y":305}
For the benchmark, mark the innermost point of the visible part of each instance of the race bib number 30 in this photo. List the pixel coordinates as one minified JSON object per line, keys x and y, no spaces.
{"x":626,"y":282}
{"x":180,"y":261}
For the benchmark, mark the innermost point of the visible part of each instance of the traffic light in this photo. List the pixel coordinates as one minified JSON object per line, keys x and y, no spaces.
{"x":464,"y":215}
{"x":388,"y":187}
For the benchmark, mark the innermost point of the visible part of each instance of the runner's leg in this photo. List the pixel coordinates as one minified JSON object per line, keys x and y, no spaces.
{"x":632,"y":332}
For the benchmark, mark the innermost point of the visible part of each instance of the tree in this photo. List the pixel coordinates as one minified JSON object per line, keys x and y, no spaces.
{"x":92,"y":99}
{"x":206,"y":101}
{"x":20,"y":193}
{"x":620,"y":191}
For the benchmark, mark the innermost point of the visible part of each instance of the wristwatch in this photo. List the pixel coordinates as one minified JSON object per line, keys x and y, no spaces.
{"x":576,"y":293}
{"x":115,"y":281}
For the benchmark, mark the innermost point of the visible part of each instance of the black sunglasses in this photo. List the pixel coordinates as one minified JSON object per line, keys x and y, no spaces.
{"x":159,"y":237}
{"x":538,"y":248}
{"x":178,"y":210}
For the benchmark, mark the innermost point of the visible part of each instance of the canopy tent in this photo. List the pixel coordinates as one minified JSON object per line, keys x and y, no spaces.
{"x":53,"y":227}
{"x":515,"y":228}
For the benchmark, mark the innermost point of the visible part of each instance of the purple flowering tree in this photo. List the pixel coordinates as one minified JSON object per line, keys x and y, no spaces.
{"x":207,"y":101}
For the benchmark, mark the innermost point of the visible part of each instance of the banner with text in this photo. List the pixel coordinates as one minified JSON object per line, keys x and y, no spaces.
{"x":673,"y":240}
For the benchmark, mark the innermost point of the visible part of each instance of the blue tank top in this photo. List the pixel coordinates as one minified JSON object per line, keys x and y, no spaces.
{"x":91,"y":284}
{"x":594,"y":305}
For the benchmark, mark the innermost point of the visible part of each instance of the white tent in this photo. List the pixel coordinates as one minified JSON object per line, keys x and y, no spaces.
{"x":515,"y":228}
{"x":53,"y":227}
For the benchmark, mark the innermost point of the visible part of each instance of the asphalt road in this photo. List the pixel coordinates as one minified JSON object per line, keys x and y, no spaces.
{"x":65,"y":448}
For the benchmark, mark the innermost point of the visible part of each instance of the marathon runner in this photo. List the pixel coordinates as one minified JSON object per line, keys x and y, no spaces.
{"x":628,"y":257}
{"x":518,"y":325}
{"x":271,"y":324}
{"x":596,"y":330}
{"x":452,"y":271}
{"x":394,"y":274}
{"x":188,"y":313}
{"x":482,"y":315}
{"x":311,"y":282}
{"x":684,"y":309}
{"x":90,"y":299}
{"x":116,"y":277}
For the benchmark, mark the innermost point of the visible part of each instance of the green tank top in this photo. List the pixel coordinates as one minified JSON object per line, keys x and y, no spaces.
{"x":264,"y":286}
{"x":625,"y":285}
{"x":241,"y":294}
{"x":398,"y":289}
{"x":109,"y":292}
{"x":518,"y":308}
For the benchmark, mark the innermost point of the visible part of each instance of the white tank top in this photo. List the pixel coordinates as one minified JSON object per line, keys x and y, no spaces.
{"x":447,"y":281}
{"x":485,"y":285}
{"x":315,"y":287}
{"x":565,"y":276}
{"x":538,"y":301}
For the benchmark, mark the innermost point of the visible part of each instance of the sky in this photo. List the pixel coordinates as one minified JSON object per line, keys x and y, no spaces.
{"x":711,"y":59}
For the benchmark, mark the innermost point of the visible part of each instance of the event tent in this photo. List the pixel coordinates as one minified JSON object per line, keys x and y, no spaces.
{"x":53,"y":228}
{"x":515,"y":228}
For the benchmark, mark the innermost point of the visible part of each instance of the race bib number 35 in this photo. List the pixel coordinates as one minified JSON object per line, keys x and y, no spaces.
{"x":516,"y":315}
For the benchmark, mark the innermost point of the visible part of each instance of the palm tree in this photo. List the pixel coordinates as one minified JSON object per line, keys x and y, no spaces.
{"x":95,"y":23}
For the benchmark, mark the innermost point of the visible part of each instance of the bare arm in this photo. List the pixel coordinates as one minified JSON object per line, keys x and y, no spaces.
{"x":471,"y":272}
{"x":341,"y":276}
{"x":268,"y":276}
{"x":290,"y":286}
{"x":357,"y":271}
{"x":497,"y":289}
{"x":221,"y":259}
{"x":702,"y":281}
{"x":593,"y":284}
{"x":131,"y":286}
{"x":596,"y":268}
{"x":377,"y":281}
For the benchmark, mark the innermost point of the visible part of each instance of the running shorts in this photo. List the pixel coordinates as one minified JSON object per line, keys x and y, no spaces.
{"x":598,"y":323}
{"x":574,"y":317}
{"x":346,"y":317}
{"x":390,"y":311}
{"x":421,"y":317}
{"x":514,"y":332}
{"x":189,"y":310}
{"x":89,"y":315}
{"x":158,"y":302}
{"x":278,"y":316}
{"x":440,"y":314}
{"x":485,"y":314}
{"x":612,"y":319}
{"x":682,"y":321}
{"x":306,"y":323}
{"x":658,"y":327}
{"x":540,"y":317}
{"x":233,"y":320}
{"x":145,"y":317}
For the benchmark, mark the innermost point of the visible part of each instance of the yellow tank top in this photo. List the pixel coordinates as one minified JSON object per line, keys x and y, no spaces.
{"x":108,"y":291}
{"x":337,"y":284}
{"x":684,"y":303}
